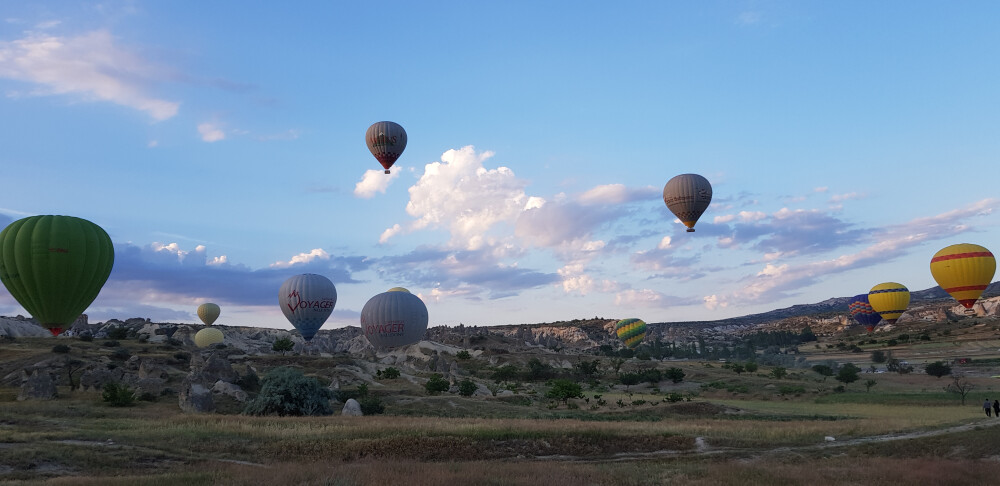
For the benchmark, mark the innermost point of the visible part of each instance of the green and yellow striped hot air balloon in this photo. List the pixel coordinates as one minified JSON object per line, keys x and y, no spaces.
{"x":631,"y":331}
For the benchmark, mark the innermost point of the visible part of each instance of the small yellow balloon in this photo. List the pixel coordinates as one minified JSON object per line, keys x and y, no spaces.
{"x":890,"y":300}
{"x":208,"y":313}
{"x":208,"y":336}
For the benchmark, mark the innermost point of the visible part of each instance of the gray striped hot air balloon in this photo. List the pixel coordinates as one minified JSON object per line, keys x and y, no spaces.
{"x":687,"y":196}
{"x":386,"y":141}
{"x":394,"y":318}
{"x":307,"y":300}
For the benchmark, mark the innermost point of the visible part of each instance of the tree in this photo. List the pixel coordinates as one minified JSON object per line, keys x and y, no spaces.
{"x":282,"y":345}
{"x":878,"y":356}
{"x":960,"y":386}
{"x":463,"y":355}
{"x":73,"y":366}
{"x":587,"y":368}
{"x":750,"y":366}
{"x":938,"y":369}
{"x":629,"y":379}
{"x":675,"y":375}
{"x":869,"y":383}
{"x":738,"y":368}
{"x":563,"y":390}
{"x":388,"y":373}
{"x":436,"y":384}
{"x":536,"y":370}
{"x":505,"y":374}
{"x":466,"y":387}
{"x":779,"y":372}
{"x":286,"y":391}
{"x":848,"y":374}
{"x":823,"y":369}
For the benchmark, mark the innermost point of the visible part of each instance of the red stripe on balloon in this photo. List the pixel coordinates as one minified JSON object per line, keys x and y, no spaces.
{"x":965,"y":288}
{"x":955,"y":256}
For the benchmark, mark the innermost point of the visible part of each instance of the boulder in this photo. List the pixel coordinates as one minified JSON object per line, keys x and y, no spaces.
{"x":39,"y":386}
{"x":230,"y":390}
{"x":152,"y":386}
{"x":352,"y":408}
{"x":195,"y":398}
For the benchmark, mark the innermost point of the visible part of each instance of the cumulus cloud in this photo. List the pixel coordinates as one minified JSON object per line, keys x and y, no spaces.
{"x":374,"y":181}
{"x":460,"y":194}
{"x":91,"y":67}
{"x":616,"y":194}
{"x":313,"y":255}
{"x":210,"y":132}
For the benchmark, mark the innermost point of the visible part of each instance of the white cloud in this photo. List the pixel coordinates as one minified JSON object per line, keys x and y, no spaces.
{"x":210,"y":132}
{"x":751,"y":216}
{"x":838,"y":198}
{"x":725,"y":218}
{"x":315,"y":254}
{"x":664,"y":243}
{"x":90,"y":66}
{"x":642,"y":297}
{"x":534,"y":202}
{"x":458,"y":193}
{"x":373,"y":181}
{"x":389,"y":233}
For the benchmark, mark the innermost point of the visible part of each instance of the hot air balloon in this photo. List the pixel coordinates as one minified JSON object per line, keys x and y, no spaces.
{"x":393,"y":319}
{"x":208,"y":313}
{"x":964,"y":271}
{"x":631,"y":331}
{"x":307,"y":300}
{"x":890,"y":300}
{"x":54,"y":266}
{"x":687,"y":196}
{"x":863,"y":313}
{"x":208,"y":336}
{"x":398,"y":289}
{"x":386,"y":141}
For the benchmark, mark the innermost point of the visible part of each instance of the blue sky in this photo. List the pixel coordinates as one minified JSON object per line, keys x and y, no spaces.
{"x":221,"y":145}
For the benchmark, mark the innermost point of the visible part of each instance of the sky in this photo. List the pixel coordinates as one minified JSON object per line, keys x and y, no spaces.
{"x":221,"y":146}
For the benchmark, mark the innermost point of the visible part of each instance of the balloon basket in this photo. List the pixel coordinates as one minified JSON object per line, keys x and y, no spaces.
{"x":387,"y":171}
{"x":690,"y":230}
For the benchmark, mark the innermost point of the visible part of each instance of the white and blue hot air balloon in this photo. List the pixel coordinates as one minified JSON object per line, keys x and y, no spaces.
{"x":307,"y":300}
{"x":394,"y":318}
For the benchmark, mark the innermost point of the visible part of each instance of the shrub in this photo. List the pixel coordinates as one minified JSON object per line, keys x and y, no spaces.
{"x":111,"y":344}
{"x":791,"y":389}
{"x":173,"y":342}
{"x":675,"y":375}
{"x":466,"y":388}
{"x":371,"y":405}
{"x":60,"y":348}
{"x":463,"y":355}
{"x":879,"y":356}
{"x":629,"y":379}
{"x":287,"y":392}
{"x":437,"y":384}
{"x":121,"y":354}
{"x":674,"y":397}
{"x":182,"y":356}
{"x":823,"y":369}
{"x":118,"y":395}
{"x":938,"y":369}
{"x":118,"y":333}
{"x":779,"y":372}
{"x":86,"y":336}
{"x":750,"y":367}
{"x":389,"y":373}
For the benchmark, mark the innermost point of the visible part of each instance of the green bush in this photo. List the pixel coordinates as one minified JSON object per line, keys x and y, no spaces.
{"x":466,"y":388}
{"x":463,"y":355}
{"x":563,"y":390}
{"x":388,"y":373}
{"x":121,"y":354}
{"x":286,"y":391}
{"x":282,"y":345}
{"x":111,"y":344}
{"x":791,"y":389}
{"x":674,"y":397}
{"x":118,"y":333}
{"x":86,"y":336}
{"x":371,"y":405}
{"x":675,"y":375}
{"x":437,"y":384}
{"x":60,"y":349}
{"x":118,"y":395}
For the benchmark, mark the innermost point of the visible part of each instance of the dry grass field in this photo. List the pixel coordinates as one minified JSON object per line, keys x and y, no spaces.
{"x":729,"y":428}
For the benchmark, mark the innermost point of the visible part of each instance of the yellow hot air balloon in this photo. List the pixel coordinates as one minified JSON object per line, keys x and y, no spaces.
{"x":398,"y":289}
{"x":208,"y":336}
{"x":964,"y":271}
{"x":890,"y":300}
{"x":208,"y":313}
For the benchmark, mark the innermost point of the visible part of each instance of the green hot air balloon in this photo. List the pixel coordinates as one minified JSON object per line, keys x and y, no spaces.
{"x":55,"y":266}
{"x":631,"y":331}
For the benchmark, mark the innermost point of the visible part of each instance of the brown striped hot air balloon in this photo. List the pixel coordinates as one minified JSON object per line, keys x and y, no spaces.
{"x":386,"y":141}
{"x":687,"y":196}
{"x":964,"y":271}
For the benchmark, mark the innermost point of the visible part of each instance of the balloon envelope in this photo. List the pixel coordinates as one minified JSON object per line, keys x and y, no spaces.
{"x":688,"y":196}
{"x":890,"y":300}
{"x":964,"y":271}
{"x":208,"y":336}
{"x":862,"y":312}
{"x":392,"y":319}
{"x":54,"y":266}
{"x":398,"y":289}
{"x":386,"y":141}
{"x":208,"y":313}
{"x":631,"y":331}
{"x":307,"y":300}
